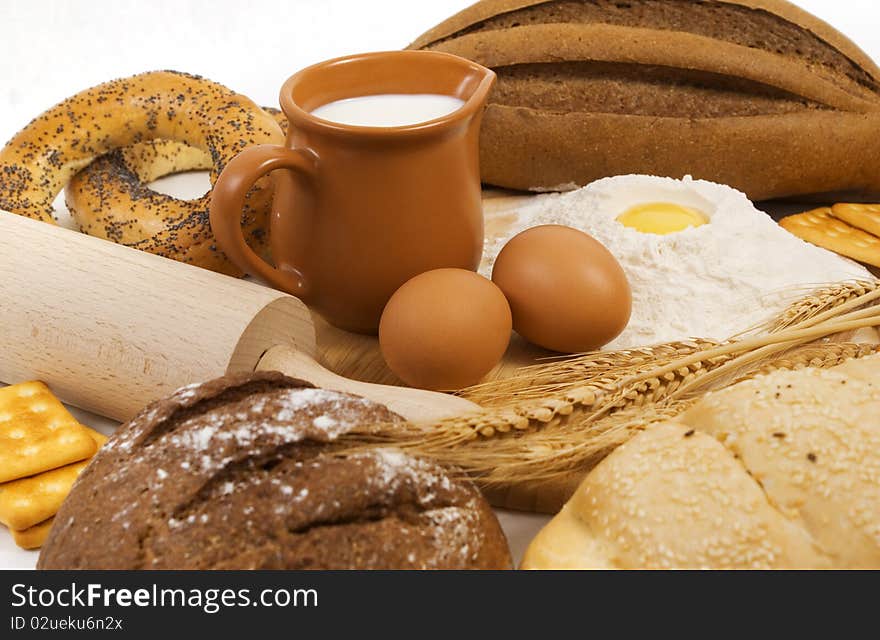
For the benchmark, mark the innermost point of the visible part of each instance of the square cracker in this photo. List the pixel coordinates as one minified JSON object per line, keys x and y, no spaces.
{"x":28,"y":501}
{"x":820,"y":228}
{"x":862,"y":216}
{"x":33,"y":537}
{"x":37,"y":433}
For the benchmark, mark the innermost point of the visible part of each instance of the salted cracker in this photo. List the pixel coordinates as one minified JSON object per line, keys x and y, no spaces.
{"x":33,"y":537}
{"x":862,"y":216}
{"x":28,"y":501}
{"x":37,"y":433}
{"x":822,"y":229}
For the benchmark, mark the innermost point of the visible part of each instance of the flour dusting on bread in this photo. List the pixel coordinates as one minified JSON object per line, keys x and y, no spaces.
{"x":242,"y":473}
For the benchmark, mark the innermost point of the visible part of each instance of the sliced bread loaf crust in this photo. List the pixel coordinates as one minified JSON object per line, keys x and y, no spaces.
{"x":591,"y":88}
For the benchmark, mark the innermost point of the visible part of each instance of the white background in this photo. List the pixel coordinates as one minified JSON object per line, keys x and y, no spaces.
{"x":50,"y":49}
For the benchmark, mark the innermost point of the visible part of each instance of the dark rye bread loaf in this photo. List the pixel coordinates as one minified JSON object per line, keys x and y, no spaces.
{"x":757,"y":94}
{"x":237,"y":474}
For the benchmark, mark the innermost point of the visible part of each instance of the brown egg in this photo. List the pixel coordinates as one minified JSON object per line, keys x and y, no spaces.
{"x":565,"y":289}
{"x":445,"y":329}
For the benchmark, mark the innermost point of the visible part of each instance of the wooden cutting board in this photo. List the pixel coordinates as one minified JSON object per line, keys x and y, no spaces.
{"x":358,"y":357}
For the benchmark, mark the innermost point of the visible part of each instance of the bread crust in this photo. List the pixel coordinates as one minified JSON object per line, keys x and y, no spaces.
{"x":780,"y":472}
{"x":241,"y":473}
{"x":680,"y":98}
{"x":812,"y":153}
{"x":480,"y":11}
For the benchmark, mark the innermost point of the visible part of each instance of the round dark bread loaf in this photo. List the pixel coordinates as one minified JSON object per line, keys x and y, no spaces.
{"x":757,"y":94}
{"x":239,"y":473}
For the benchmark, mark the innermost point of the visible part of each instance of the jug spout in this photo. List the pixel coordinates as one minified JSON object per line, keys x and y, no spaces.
{"x":476,"y":86}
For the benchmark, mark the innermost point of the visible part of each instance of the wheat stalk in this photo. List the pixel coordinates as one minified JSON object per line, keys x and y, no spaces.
{"x":561,"y":417}
{"x":560,"y":377}
{"x":575,"y":441}
{"x":821,"y":301}
{"x":818,"y":356}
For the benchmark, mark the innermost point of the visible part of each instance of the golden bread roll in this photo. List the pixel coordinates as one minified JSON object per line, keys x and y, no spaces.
{"x":40,"y":160}
{"x":780,"y":472}
{"x":757,"y":94}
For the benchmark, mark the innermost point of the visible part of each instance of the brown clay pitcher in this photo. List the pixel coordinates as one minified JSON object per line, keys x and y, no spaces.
{"x":359,"y":210}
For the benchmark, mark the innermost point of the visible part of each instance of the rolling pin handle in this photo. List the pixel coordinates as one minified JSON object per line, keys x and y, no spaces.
{"x":415,"y":405}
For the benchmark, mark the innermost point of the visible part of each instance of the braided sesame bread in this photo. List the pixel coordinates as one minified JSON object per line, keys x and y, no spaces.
{"x":780,"y":472}
{"x":239,"y":473}
{"x":758,"y":94}
{"x":40,"y":160}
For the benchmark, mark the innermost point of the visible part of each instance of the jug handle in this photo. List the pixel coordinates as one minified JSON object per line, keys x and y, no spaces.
{"x":227,"y":203}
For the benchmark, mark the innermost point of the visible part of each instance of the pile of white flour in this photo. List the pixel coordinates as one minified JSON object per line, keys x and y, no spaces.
{"x":713,"y":281}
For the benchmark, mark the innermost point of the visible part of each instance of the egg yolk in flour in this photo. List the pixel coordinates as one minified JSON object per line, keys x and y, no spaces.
{"x":662,"y":218}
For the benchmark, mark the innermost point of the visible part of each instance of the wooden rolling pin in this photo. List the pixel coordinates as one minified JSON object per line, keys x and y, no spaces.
{"x":110,"y":329}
